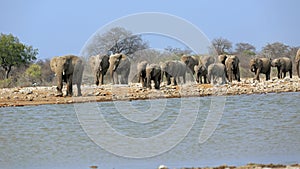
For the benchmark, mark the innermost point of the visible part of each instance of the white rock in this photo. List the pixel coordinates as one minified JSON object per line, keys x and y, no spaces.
{"x":162,"y":167}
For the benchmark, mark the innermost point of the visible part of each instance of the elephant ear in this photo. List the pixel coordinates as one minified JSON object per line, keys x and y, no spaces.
{"x":123,"y":56}
{"x":280,"y":62}
{"x":53,"y":63}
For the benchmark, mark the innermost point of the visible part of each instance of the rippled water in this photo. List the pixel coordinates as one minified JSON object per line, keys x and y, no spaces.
{"x":253,"y":128}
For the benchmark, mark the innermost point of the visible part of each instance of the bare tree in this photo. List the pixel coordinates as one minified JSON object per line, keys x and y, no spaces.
{"x":275,"y":50}
{"x":178,"y":51}
{"x":222,"y":45}
{"x":116,"y":40}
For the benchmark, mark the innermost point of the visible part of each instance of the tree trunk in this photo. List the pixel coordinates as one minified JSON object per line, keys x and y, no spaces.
{"x":7,"y":71}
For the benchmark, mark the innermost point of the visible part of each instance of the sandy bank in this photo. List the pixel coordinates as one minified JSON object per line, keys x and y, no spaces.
{"x":46,"y":95}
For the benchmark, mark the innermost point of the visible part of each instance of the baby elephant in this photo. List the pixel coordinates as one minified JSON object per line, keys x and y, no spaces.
{"x":216,"y":71}
{"x":153,"y":72}
{"x":200,"y":71}
{"x":261,"y":65}
{"x":283,"y":64}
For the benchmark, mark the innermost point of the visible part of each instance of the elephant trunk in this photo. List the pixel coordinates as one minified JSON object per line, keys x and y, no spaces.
{"x":162,"y":76}
{"x":59,"y":78}
{"x":111,"y":71}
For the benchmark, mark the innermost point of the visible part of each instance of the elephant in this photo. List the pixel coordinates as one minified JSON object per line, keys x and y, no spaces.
{"x":141,"y":68}
{"x":261,"y":65}
{"x":206,"y":61}
{"x":232,"y":68}
{"x":163,"y":70}
{"x":216,"y":71}
{"x":100,"y":65}
{"x":297,"y":60}
{"x":68,"y":69}
{"x":200,"y":71}
{"x":119,"y":64}
{"x":153,"y":72}
{"x":190,"y":62}
{"x":175,"y":69}
{"x":283,"y":64}
{"x":222,"y":58}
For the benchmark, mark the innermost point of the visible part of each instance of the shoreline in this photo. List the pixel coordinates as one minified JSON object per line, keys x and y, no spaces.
{"x":247,"y":166}
{"x":33,"y":96}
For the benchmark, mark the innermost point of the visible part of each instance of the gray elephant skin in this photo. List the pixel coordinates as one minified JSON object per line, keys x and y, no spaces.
{"x":119,"y":65}
{"x":175,"y":69}
{"x":163,"y":70}
{"x":222,"y":58}
{"x":206,"y":61}
{"x":297,"y":60}
{"x":283,"y":65}
{"x":216,"y":71}
{"x":200,"y":72}
{"x":191,"y":62}
{"x":232,"y":68}
{"x":141,"y":68}
{"x":261,"y":65}
{"x":99,"y":65}
{"x":153,"y":72}
{"x":201,"y":68}
{"x":68,"y":69}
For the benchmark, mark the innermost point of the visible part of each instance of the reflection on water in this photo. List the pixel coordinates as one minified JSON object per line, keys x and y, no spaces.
{"x":253,"y":128}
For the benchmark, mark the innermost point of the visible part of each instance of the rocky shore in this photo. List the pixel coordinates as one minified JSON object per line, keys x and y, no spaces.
{"x":248,"y":166}
{"x":47,"y":95}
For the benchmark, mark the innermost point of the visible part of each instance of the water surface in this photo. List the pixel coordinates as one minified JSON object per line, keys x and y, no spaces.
{"x":253,"y":128}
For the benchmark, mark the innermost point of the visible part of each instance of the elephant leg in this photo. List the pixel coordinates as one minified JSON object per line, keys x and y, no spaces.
{"x":238,"y":77}
{"x":175,"y":82}
{"x":101,"y":79}
{"x":290,"y":72}
{"x":197,"y":78}
{"x":79,"y":89}
{"x":156,"y":82}
{"x":59,"y":79}
{"x":257,"y":74}
{"x":69,"y":86}
{"x":168,"y":79}
{"x":144,"y":82}
{"x":224,"y":79}
{"x":178,"y":80}
{"x":268,"y":76}
{"x":184,"y":80}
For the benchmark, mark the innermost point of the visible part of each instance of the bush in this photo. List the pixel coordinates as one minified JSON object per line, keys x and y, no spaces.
{"x":6,"y":83}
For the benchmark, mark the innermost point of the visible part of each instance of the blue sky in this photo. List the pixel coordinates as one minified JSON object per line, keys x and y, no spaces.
{"x":62,"y":27}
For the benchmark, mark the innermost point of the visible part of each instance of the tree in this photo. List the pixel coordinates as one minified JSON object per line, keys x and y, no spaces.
{"x":34,"y":73}
{"x":116,"y":40}
{"x":245,"y":49}
{"x":275,"y":50}
{"x":178,"y":51}
{"x":14,"y":53}
{"x":221,"y":45}
{"x":46,"y":72}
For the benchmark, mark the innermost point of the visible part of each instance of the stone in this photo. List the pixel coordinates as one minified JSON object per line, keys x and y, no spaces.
{"x":162,"y":167}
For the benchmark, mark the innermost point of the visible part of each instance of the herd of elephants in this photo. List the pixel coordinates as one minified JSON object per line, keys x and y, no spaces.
{"x":206,"y":69}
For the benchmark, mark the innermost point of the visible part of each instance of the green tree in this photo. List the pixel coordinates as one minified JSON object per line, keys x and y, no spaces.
{"x":245,"y":49}
{"x":14,"y":53}
{"x":34,"y":73}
